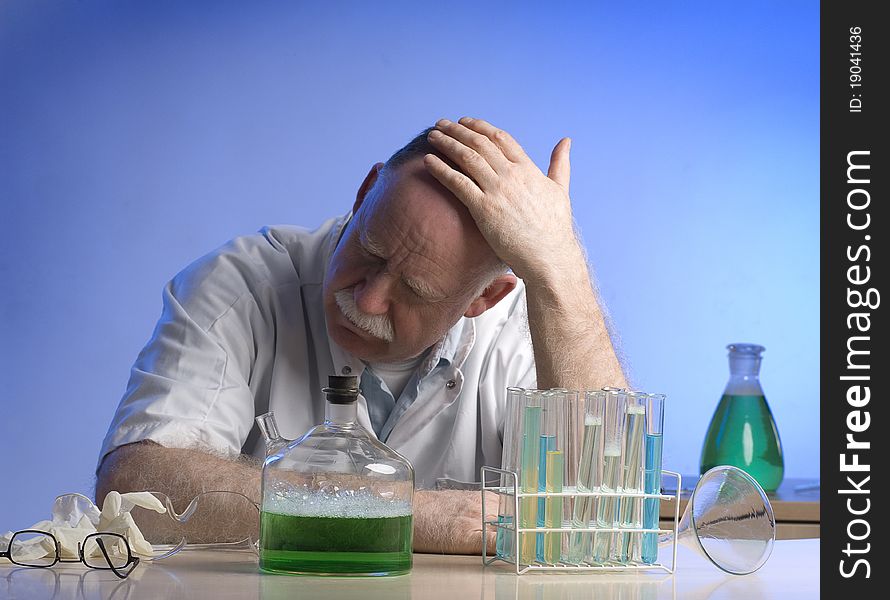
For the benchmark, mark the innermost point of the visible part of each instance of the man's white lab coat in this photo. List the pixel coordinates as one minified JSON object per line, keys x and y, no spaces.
{"x":243,"y":332}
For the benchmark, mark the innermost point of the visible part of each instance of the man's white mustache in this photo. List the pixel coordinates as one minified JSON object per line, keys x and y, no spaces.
{"x":379,"y":326}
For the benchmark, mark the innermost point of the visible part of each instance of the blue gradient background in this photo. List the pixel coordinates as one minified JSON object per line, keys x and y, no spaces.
{"x":136,"y":136}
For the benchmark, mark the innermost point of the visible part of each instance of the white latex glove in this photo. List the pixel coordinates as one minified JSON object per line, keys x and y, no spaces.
{"x":74,"y":517}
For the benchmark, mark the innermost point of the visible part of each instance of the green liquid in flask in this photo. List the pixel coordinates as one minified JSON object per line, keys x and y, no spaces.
{"x":743,"y":434}
{"x":317,"y":545}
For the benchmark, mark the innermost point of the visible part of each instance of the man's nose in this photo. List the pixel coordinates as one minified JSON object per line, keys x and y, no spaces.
{"x":373,"y":294}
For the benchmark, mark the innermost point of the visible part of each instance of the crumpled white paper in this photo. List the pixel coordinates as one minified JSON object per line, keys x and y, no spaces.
{"x":75,"y":517}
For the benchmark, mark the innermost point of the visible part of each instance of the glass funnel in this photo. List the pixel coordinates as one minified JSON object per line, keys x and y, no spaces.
{"x":729,"y":520}
{"x":337,"y":501}
{"x":742,"y":432}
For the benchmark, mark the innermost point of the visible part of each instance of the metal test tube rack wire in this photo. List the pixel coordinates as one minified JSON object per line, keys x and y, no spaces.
{"x":564,"y":566}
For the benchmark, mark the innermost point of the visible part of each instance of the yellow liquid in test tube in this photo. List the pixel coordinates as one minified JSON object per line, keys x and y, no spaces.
{"x":553,"y":510}
{"x":528,"y":507}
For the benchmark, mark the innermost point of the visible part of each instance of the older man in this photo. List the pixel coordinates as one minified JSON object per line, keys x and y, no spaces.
{"x":410,"y":292}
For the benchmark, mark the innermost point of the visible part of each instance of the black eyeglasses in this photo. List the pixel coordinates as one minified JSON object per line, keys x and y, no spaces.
{"x":107,"y":551}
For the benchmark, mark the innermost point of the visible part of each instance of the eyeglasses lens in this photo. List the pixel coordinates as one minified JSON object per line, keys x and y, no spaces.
{"x":32,"y":549}
{"x":103,"y":551}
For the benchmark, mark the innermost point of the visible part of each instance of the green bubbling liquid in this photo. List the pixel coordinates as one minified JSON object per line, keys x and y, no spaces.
{"x":335,"y":545}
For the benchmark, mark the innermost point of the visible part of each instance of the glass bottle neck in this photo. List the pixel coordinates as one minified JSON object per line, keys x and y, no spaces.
{"x":744,"y":365}
{"x":340,"y":415}
{"x":744,"y":375}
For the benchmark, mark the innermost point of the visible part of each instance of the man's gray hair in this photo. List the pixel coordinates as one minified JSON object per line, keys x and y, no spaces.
{"x":418,"y":147}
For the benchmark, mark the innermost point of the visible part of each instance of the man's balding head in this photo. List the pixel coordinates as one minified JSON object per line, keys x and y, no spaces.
{"x":418,"y":147}
{"x":410,"y":263}
{"x":407,"y":198}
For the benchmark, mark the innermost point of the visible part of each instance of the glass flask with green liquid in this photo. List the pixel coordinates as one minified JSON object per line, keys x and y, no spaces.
{"x":335,"y":501}
{"x":742,"y":432}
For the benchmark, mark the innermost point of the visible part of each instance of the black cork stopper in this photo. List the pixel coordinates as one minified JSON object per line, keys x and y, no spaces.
{"x":342,"y":389}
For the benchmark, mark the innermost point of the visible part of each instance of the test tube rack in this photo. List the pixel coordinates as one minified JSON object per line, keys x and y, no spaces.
{"x":513,"y":490}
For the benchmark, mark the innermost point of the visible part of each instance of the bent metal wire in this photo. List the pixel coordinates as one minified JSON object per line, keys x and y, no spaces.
{"x":101,"y":540}
{"x":513,"y":492}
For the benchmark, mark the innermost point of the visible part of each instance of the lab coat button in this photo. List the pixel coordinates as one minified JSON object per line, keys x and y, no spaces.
{"x":450,"y":384}
{"x":346,"y":370}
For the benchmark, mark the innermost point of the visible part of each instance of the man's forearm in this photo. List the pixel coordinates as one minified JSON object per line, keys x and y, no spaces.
{"x":444,"y":522}
{"x":183,"y":474}
{"x":568,"y":329}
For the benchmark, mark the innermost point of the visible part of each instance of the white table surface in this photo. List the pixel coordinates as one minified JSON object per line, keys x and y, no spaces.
{"x":791,"y":572}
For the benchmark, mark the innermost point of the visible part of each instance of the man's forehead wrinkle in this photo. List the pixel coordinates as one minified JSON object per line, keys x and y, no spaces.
{"x":428,"y":238}
{"x":427,"y":266}
{"x":406,"y":246}
{"x":400,"y":224}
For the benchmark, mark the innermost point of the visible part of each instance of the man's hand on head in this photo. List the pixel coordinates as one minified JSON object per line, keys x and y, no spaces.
{"x":525,"y":216}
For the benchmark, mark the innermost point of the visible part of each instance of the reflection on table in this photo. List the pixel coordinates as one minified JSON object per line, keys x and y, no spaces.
{"x":791,"y":572}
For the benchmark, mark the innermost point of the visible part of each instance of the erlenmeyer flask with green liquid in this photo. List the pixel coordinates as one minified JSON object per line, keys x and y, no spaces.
{"x":742,"y":432}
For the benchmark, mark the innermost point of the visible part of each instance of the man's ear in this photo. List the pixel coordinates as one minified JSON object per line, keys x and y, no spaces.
{"x":367,"y":184}
{"x":493,"y":294}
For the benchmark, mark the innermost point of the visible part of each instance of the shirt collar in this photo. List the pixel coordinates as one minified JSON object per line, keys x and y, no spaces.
{"x":447,"y":350}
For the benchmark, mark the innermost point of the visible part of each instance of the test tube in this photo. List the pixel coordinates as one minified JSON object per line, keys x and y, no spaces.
{"x":550,"y":474}
{"x":553,"y":508}
{"x":589,"y":475}
{"x":607,"y":507}
{"x":546,"y":443}
{"x":653,"y":437}
{"x":553,"y":434}
{"x":574,"y":428}
{"x":631,"y":510}
{"x":574,"y":419}
{"x":509,"y":462}
{"x":528,"y":506}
